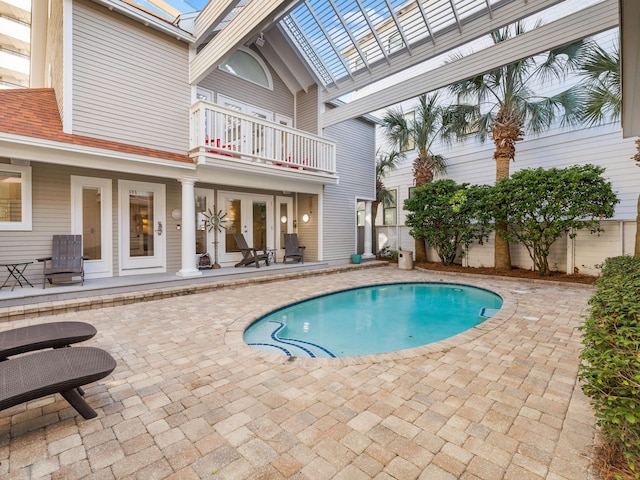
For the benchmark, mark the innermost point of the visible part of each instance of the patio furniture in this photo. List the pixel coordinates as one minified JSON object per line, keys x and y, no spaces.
{"x":63,"y":371}
{"x":249,"y":254}
{"x":292,"y":249}
{"x":16,"y":271}
{"x":44,"y":335}
{"x":66,"y":260}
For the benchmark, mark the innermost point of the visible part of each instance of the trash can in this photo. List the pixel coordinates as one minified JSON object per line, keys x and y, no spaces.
{"x":405,"y":260}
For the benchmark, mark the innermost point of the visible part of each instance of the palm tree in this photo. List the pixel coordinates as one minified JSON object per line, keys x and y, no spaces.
{"x":602,"y":102}
{"x":420,"y":132}
{"x":385,"y":163}
{"x":504,"y":104}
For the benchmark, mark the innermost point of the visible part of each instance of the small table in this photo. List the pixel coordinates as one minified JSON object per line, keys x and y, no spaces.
{"x":16,"y":271}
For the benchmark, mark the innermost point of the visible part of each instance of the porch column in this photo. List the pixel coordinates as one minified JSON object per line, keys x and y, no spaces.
{"x":367,"y":231}
{"x":188,"y":230}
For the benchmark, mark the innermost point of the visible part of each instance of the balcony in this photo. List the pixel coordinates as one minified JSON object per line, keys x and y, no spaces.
{"x":227,"y":139}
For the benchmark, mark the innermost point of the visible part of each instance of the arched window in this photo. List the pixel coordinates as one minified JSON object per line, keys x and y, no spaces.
{"x":246,"y":64}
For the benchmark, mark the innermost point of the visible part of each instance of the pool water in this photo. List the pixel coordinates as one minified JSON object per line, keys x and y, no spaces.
{"x":374,"y":319}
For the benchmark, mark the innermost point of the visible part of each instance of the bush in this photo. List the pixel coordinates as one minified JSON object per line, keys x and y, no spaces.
{"x":611,"y":359}
{"x":538,"y":206}
{"x":443,"y":214}
{"x":386,"y":252}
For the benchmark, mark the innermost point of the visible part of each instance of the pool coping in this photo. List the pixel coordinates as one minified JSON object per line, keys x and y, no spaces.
{"x":233,"y":336}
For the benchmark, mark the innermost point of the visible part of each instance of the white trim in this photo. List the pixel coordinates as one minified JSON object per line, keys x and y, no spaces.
{"x":94,"y":268}
{"x":257,"y":58}
{"x":26,"y":204}
{"x":157,"y":263}
{"x":146,"y":19}
{"x":85,"y":150}
{"x":67,"y":74}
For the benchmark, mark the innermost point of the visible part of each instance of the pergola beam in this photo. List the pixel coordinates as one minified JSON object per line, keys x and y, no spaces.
{"x":442,"y":43}
{"x":590,"y":21}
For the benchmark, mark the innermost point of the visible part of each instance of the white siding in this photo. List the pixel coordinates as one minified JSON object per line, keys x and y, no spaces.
{"x":355,"y":141}
{"x":473,"y":163}
{"x":130,"y":82}
{"x":51,"y":193}
{"x":279,"y":100}
{"x":307,"y":111}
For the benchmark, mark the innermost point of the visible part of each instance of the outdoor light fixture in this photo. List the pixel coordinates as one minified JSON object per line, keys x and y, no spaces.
{"x":283,"y":219}
{"x":260,"y":40}
{"x":305,"y":217}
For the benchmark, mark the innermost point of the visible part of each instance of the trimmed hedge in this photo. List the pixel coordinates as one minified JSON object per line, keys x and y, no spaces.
{"x":610,"y":365}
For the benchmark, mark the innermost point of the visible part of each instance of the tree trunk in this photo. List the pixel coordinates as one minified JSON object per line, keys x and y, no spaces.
{"x":501,"y":253}
{"x":421,"y":251}
{"x":421,"y":178}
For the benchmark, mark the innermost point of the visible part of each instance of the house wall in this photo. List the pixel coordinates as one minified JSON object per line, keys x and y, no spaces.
{"x":355,"y":164}
{"x":307,"y":111}
{"x":54,"y":53}
{"x":473,"y":163}
{"x":51,"y":200}
{"x":130,"y":82}
{"x":279,"y":100}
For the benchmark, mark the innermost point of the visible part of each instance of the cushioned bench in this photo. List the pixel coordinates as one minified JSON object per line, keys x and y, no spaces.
{"x":44,"y":335}
{"x":62,"y":371}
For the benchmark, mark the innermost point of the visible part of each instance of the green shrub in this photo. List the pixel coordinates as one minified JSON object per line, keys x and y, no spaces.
{"x":386,"y":252}
{"x":610,"y":365}
{"x":443,"y":213}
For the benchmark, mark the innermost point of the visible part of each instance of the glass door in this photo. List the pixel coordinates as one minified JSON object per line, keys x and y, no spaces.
{"x":142,"y":228}
{"x":91,"y":217}
{"x":250,"y":215}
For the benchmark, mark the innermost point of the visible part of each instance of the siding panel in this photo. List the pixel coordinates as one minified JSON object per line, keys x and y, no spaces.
{"x":356,"y":169}
{"x":279,"y":101}
{"x":134,"y":91}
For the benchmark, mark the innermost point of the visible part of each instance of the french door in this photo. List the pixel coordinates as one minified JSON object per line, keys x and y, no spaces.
{"x":142,"y":227}
{"x":91,"y":217}
{"x":244,"y":136}
{"x":250,"y":215}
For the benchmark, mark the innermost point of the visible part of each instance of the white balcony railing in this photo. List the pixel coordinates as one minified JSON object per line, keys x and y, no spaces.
{"x":222,"y":133}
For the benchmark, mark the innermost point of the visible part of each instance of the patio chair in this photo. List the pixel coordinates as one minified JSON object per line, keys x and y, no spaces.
{"x":63,"y":371}
{"x":292,"y":249}
{"x":43,"y":335}
{"x":250,"y":255}
{"x":66,"y":260}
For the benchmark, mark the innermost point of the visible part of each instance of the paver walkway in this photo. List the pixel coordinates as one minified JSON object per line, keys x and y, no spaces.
{"x":188,"y":400}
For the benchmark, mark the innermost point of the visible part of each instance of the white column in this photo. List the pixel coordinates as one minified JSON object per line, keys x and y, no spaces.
{"x":189,"y":268}
{"x":367,"y":231}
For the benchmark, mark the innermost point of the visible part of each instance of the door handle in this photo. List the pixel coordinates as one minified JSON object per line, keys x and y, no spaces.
{"x":159,"y":228}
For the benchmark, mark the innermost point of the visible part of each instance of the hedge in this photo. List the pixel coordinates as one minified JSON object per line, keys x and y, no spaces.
{"x":610,"y":365}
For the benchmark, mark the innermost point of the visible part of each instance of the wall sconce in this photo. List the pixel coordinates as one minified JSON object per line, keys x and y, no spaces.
{"x":305,"y":218}
{"x":260,"y":40}
{"x":283,"y":219}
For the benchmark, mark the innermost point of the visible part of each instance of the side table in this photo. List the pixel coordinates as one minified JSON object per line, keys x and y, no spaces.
{"x":16,"y":271}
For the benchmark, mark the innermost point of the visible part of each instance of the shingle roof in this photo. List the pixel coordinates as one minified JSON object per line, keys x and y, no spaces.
{"x":34,"y":113}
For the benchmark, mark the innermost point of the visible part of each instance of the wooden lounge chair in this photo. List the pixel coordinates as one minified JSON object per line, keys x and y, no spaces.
{"x":43,"y":335}
{"x":66,"y":260}
{"x":291,"y":248}
{"x":250,"y":255}
{"x":63,"y":371}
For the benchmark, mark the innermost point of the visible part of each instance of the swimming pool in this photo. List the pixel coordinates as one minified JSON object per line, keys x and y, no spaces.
{"x":374,"y":319}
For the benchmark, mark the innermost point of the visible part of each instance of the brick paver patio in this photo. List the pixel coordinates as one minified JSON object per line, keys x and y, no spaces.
{"x":188,"y":400}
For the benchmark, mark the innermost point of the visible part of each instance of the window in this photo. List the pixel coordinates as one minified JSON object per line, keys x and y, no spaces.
{"x":361,"y":213}
{"x":15,"y":197}
{"x":246,"y":64}
{"x":410,"y":118}
{"x":390,"y":210}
